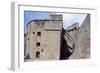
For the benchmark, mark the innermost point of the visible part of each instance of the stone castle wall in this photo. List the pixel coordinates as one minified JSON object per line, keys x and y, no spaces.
{"x":43,"y":39}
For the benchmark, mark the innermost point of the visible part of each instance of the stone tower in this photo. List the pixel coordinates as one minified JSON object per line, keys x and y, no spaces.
{"x":43,"y":38}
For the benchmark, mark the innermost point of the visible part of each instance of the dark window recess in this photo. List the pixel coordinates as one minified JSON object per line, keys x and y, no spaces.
{"x":75,"y":28}
{"x":33,"y":32}
{"x":42,"y":50}
{"x":38,"y":44}
{"x":37,"y":54}
{"x":38,"y":33}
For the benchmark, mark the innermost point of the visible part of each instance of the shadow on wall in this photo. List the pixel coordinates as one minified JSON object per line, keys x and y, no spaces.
{"x":65,"y":52}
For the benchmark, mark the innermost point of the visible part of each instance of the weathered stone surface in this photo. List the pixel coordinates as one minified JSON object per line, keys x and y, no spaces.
{"x":82,"y":40}
{"x":43,"y":38}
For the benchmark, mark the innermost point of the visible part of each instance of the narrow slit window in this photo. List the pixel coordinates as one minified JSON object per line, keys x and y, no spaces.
{"x":42,"y":50}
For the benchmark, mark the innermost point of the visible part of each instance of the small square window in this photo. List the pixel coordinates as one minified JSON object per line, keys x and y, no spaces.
{"x":38,"y":44}
{"x":33,"y":32}
{"x":38,"y":33}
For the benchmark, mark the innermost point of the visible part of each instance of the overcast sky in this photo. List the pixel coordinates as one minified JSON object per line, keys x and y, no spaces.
{"x":68,"y":18}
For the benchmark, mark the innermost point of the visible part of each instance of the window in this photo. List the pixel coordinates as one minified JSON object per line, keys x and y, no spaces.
{"x":42,"y":50}
{"x":38,"y":44}
{"x":33,"y":32}
{"x":75,"y":28}
{"x":37,"y":54}
{"x":38,"y":33}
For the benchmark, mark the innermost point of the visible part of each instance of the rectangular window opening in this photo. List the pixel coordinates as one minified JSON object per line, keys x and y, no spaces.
{"x":38,"y":33}
{"x":37,"y":54}
{"x":38,"y":44}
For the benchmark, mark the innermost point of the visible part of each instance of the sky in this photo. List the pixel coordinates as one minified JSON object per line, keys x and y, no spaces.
{"x":68,"y":18}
